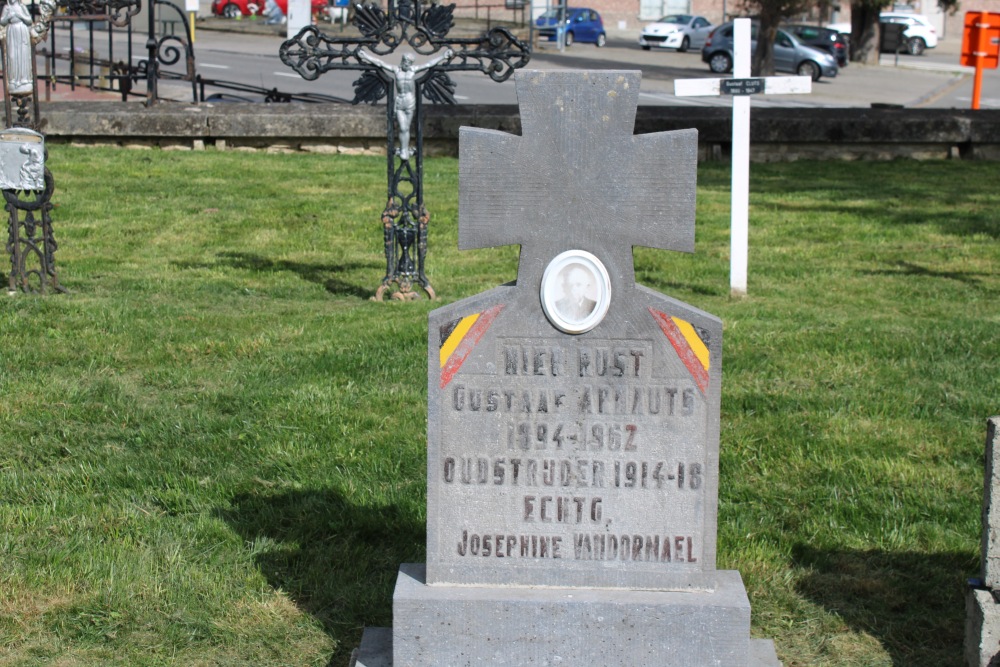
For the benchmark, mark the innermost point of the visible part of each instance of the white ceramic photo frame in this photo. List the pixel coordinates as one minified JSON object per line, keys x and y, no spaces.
{"x":576,"y":291}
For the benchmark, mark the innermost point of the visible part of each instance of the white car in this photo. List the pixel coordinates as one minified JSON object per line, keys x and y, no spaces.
{"x":919,"y":34}
{"x":676,"y":31}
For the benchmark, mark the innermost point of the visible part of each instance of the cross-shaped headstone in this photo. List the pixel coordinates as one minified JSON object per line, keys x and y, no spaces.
{"x":552,"y":183}
{"x":741,"y":86}
{"x":423,"y":29}
{"x":577,"y":190}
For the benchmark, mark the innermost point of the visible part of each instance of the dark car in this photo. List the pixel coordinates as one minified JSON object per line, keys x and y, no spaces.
{"x":823,"y":39}
{"x":581,"y":25}
{"x":790,"y":55}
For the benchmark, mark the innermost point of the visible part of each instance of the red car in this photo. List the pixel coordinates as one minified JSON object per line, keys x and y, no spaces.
{"x":233,"y":8}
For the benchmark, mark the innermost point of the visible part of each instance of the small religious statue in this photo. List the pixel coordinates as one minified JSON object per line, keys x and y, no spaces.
{"x":32,"y":172}
{"x":16,"y":19}
{"x":405,"y":78}
{"x":20,"y":32}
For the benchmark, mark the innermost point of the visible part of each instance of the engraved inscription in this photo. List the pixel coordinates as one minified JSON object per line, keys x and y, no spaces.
{"x":589,"y":452}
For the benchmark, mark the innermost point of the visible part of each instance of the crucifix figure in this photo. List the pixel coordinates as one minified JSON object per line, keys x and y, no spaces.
{"x":424,"y":28}
{"x":741,"y":86}
{"x":405,"y":81}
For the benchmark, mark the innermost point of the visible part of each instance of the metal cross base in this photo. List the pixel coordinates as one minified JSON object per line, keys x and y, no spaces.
{"x":400,"y":270}
{"x":30,"y":241}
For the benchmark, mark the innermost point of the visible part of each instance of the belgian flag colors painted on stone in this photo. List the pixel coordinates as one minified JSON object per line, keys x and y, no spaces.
{"x":458,"y":337}
{"x":688,"y":344}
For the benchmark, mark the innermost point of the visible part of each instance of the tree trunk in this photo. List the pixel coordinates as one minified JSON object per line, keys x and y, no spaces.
{"x":865,"y":33}
{"x":763,"y":55}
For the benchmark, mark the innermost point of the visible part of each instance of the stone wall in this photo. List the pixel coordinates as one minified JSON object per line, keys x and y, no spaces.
{"x":776,"y":134}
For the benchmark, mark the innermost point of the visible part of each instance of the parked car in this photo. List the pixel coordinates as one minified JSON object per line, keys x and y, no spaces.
{"x":676,"y":31}
{"x":581,"y":25}
{"x":823,"y":39}
{"x":233,"y":8}
{"x":919,"y":34}
{"x":790,"y":55}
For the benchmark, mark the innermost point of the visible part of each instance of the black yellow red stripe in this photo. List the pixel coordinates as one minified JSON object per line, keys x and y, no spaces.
{"x":688,"y":344}
{"x":459,"y":343}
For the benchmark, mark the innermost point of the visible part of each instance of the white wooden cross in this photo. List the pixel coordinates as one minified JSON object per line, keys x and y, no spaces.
{"x":741,"y":86}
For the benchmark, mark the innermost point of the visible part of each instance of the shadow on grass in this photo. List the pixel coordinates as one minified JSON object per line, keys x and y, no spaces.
{"x":910,"y":269}
{"x":911,"y":602}
{"x":336,"y":560}
{"x":900,"y":193}
{"x":326,"y":275}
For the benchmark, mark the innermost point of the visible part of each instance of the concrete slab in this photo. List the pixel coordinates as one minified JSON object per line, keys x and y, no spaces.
{"x":990,"y":547}
{"x":762,"y":653}
{"x":453,"y":626}
{"x":375,"y":649}
{"x":982,"y":629}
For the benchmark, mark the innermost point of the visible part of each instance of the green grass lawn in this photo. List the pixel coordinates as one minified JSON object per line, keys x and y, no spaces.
{"x":212,"y":450}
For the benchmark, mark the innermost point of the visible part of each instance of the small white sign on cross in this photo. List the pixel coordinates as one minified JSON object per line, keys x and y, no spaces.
{"x":741,"y":86}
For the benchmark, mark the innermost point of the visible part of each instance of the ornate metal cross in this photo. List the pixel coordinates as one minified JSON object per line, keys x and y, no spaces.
{"x":424,"y":28}
{"x":26,"y":183}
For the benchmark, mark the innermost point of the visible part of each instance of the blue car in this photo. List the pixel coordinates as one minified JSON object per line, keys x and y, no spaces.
{"x":581,"y":25}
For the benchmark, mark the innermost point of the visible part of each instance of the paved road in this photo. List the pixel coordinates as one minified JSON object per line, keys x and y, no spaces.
{"x":932,"y":80}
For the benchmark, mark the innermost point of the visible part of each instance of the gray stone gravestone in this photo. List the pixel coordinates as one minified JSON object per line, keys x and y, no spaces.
{"x":573,"y":416}
{"x":982,"y":630}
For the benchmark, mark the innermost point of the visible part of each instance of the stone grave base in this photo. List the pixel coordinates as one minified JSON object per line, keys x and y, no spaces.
{"x":453,"y":626}
{"x":982,"y":628}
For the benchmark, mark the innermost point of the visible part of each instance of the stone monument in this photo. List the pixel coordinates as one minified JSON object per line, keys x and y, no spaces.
{"x":573,"y":416}
{"x":982,"y":625}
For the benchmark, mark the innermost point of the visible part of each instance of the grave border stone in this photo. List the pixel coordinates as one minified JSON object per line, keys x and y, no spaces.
{"x":982,"y":606}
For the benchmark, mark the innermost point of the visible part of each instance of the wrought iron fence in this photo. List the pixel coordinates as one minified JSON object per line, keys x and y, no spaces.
{"x":97,"y":46}
{"x":119,"y":46}
{"x":510,"y":12}
{"x":234,"y":89}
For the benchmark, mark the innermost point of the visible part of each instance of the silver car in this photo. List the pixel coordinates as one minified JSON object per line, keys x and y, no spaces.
{"x":790,"y":55}
{"x":676,"y":31}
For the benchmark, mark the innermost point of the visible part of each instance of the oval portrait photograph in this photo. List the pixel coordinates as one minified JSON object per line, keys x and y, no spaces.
{"x":576,"y":291}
